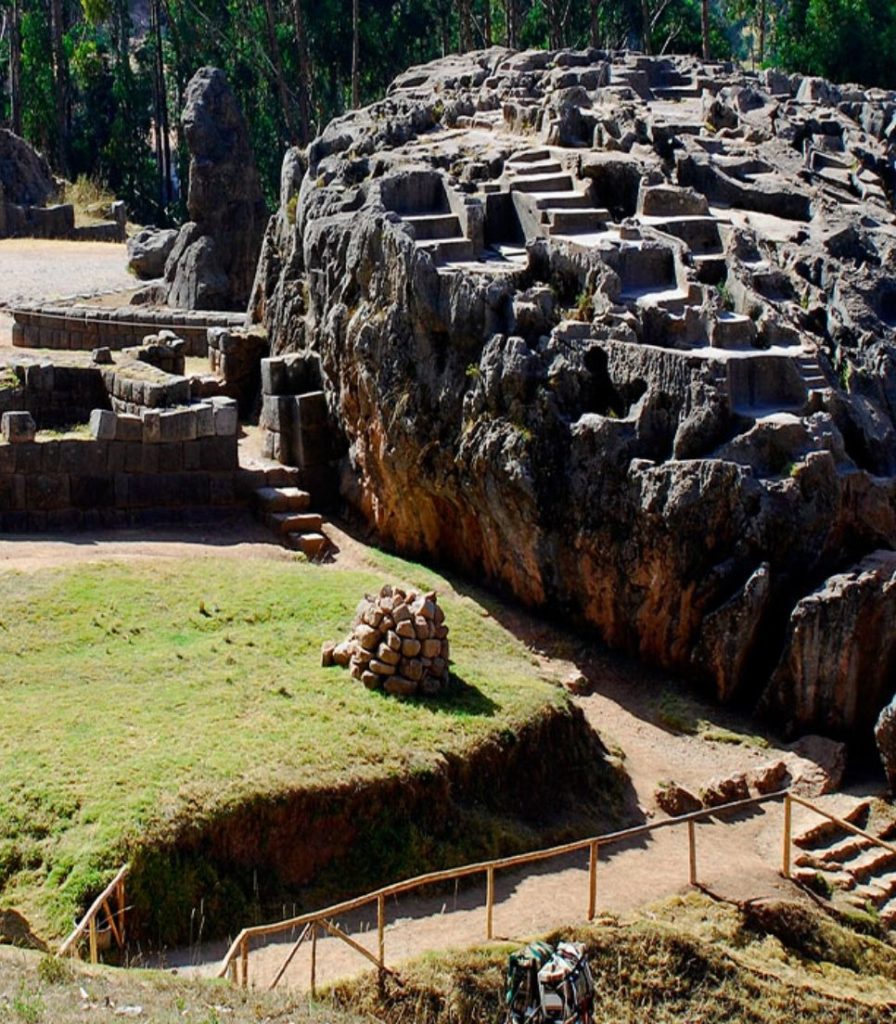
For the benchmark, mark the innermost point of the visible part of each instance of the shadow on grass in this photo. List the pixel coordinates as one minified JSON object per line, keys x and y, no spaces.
{"x":460,"y":699}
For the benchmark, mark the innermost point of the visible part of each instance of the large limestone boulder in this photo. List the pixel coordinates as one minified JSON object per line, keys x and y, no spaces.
{"x":25,"y":175}
{"x":212,"y":264}
{"x":148,"y":251}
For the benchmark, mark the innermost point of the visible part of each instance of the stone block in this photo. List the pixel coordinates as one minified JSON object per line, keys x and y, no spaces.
{"x":12,"y":492}
{"x":274,"y":376}
{"x":192,"y":455}
{"x":226,"y":416}
{"x":47,"y":491}
{"x":65,"y":519}
{"x":116,"y":456}
{"x":7,"y":459}
{"x":128,"y":428}
{"x":205,"y":419}
{"x":221,"y":489}
{"x":133,"y":459}
{"x":103,"y":424}
{"x":276,"y":413}
{"x":18,"y":427}
{"x":96,"y":491}
{"x":28,"y":457}
{"x":152,"y":426}
{"x":171,"y":457}
{"x":178,"y":425}
{"x":218,"y":453}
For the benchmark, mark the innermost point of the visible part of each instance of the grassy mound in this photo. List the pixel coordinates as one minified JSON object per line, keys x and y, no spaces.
{"x":686,"y":961}
{"x":142,"y":700}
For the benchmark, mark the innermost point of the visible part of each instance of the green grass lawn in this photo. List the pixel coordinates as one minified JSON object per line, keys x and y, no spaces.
{"x":135,"y":695}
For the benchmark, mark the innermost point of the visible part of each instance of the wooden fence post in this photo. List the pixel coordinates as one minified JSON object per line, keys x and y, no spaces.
{"x":788,"y":824}
{"x":381,"y":930}
{"x":489,"y":902}
{"x":314,"y":960}
{"x":94,"y":957}
{"x":244,"y":961}
{"x":592,"y":880}
{"x":121,"y":910}
{"x":692,"y":853}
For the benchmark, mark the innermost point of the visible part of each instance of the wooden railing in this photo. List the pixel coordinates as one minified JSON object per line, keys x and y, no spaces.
{"x":113,"y":894}
{"x":236,"y":961}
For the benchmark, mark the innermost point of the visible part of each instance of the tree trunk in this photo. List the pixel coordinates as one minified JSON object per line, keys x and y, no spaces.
{"x":60,"y":82}
{"x":645,"y":27}
{"x":510,"y":15}
{"x":595,"y":24}
{"x":280,"y":81}
{"x":356,"y":57}
{"x":761,"y":31}
{"x":487,"y":23}
{"x":465,"y":19}
{"x":298,"y":16}
{"x":704,"y":26}
{"x":15,"y":67}
{"x":163,"y":142}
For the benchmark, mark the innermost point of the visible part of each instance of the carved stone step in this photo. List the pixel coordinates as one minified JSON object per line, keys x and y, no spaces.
{"x":567,"y":222}
{"x":282,"y":499}
{"x":542,"y":183}
{"x":434,"y":226}
{"x":448,"y":249}
{"x":293,"y":522}
{"x":530,"y":167}
{"x":310,"y":544}
{"x":564,"y":200}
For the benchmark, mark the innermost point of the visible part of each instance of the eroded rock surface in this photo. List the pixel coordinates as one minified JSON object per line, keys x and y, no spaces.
{"x":24,"y":173}
{"x":618,"y":333}
{"x":212,"y":263}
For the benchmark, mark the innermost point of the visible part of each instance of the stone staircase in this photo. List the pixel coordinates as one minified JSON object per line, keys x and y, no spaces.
{"x":648,"y":278}
{"x":811,"y":371}
{"x":853,"y":868}
{"x":284,"y":511}
{"x":441,"y":235}
{"x":700,"y":233}
{"x":550,"y":197}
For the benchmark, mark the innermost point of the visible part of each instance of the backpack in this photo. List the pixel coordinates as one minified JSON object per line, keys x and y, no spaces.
{"x":521,"y":991}
{"x":566,"y":987}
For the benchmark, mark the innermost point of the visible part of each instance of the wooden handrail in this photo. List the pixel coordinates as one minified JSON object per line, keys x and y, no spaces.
{"x":482,"y":867}
{"x":845,"y":825}
{"x":93,"y":910}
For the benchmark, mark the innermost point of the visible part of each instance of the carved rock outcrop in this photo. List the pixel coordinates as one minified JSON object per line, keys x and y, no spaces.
{"x":212,"y":264}
{"x":614,"y":360}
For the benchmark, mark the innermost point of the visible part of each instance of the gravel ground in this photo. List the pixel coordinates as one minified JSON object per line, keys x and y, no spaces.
{"x":40,"y":270}
{"x":36,"y":269}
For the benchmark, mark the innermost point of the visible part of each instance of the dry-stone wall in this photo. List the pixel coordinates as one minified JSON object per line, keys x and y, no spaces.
{"x":83,"y":328}
{"x":399,"y":644}
{"x":163,"y":465}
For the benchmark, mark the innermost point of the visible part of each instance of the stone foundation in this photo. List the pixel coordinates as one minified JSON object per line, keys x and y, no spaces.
{"x":84,"y":328}
{"x":166,"y":465}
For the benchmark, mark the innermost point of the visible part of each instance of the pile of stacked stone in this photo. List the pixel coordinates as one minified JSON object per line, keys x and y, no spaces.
{"x":399,"y":644}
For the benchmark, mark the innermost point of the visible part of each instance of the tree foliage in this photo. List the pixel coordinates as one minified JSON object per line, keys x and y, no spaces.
{"x":290,"y":62}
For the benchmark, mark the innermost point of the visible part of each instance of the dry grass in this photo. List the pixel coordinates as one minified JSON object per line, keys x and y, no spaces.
{"x":687,"y":961}
{"x":38,"y":989}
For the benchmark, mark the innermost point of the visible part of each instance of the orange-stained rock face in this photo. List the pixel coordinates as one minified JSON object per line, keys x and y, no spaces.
{"x":635,"y":369}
